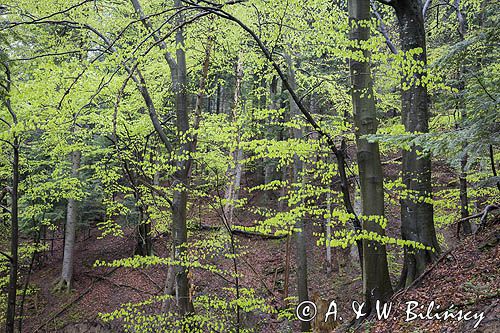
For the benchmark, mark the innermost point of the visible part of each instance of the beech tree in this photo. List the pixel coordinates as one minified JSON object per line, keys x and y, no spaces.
{"x":376,"y":281}
{"x":417,"y":223}
{"x":208,"y":155}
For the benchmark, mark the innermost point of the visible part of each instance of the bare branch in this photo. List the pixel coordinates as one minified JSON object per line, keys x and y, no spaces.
{"x":6,"y":255}
{"x":8,"y":142}
{"x":156,"y":190}
{"x":386,"y":2}
{"x":6,"y":209}
{"x":54,"y":54}
{"x":5,"y":122}
{"x":14,"y":24}
{"x":7,"y":88}
{"x":383,"y":30}
{"x":161,"y":43}
{"x":426,"y":6}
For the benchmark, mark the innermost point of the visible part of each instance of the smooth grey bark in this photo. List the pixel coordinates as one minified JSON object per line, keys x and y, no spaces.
{"x":301,"y":237}
{"x":65,"y":282}
{"x":464,"y":199}
{"x":234,"y":173}
{"x":233,"y":189}
{"x":181,"y":176}
{"x":462,"y":178}
{"x":14,"y":242}
{"x":417,"y":222}
{"x":328,"y":234}
{"x":142,"y":85}
{"x":13,"y":257}
{"x":178,"y":71}
{"x":376,"y":281}
{"x":425,"y":8}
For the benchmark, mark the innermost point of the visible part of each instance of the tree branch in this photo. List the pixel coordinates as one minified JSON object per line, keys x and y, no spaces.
{"x":14,"y":24}
{"x":425,"y":7}
{"x":339,"y":154}
{"x":54,"y":54}
{"x":383,"y":30}
{"x":386,"y":2}
{"x":6,"y":255}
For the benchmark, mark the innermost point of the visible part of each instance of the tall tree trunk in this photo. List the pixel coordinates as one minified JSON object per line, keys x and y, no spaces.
{"x":301,"y":238}
{"x":14,"y":240}
{"x":181,"y":182}
{"x":417,"y":222}
{"x":376,"y":281}
{"x":10,"y":315}
{"x":328,"y":232}
{"x":70,"y":230}
{"x":234,"y":173}
{"x":233,"y":189}
{"x":464,"y":200}
{"x":178,"y":274}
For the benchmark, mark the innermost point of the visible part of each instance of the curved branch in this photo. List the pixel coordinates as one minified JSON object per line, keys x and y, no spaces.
{"x":383,"y":30}
{"x":14,"y":24}
{"x":339,"y":154}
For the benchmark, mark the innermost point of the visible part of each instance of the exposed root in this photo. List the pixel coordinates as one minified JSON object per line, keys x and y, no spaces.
{"x":61,"y":286}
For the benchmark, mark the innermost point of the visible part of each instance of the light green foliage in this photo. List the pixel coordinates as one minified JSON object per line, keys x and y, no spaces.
{"x":70,"y":95}
{"x":214,"y":314}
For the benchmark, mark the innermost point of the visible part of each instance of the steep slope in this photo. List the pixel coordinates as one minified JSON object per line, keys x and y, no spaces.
{"x":464,"y":283}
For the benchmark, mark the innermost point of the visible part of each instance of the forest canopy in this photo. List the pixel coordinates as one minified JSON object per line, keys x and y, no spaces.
{"x":209,"y":166}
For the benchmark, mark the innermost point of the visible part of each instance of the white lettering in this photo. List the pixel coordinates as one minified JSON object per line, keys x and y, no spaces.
{"x":330,"y":312}
{"x":386,"y":310}
{"x":410,"y":305}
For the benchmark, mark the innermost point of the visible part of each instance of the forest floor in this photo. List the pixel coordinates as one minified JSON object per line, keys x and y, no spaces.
{"x":466,"y":276}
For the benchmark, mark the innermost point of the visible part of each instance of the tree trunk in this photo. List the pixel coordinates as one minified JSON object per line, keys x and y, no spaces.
{"x":181,"y":182}
{"x":234,"y":173}
{"x":181,"y":177}
{"x":178,"y":73}
{"x":14,"y":240}
{"x":144,"y":245}
{"x":417,"y":222}
{"x":301,"y":239}
{"x":233,"y":190}
{"x":376,"y":281}
{"x":328,"y":232}
{"x":70,"y":230}
{"x":464,"y":200}
{"x":218,"y":99}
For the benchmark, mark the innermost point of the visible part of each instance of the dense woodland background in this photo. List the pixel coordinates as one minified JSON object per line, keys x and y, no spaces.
{"x":205,"y":166}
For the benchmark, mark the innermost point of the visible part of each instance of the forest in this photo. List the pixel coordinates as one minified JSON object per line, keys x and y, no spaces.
{"x":249,"y":166}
